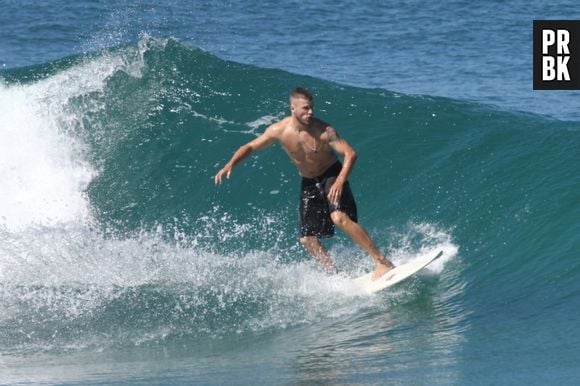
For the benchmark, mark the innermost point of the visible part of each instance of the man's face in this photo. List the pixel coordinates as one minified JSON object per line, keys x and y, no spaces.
{"x":302,"y":109}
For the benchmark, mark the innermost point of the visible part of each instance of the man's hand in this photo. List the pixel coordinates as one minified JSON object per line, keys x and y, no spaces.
{"x":227,"y":170}
{"x":264,"y":140}
{"x":335,"y":191}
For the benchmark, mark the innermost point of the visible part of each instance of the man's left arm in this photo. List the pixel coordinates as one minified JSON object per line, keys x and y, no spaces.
{"x":343,"y":148}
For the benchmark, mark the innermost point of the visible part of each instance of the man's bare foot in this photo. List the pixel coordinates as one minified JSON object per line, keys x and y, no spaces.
{"x":382,"y":269}
{"x":331,"y":271}
{"x":329,"y":267}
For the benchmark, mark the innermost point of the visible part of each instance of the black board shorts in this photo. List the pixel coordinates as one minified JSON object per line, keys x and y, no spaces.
{"x":315,"y":209}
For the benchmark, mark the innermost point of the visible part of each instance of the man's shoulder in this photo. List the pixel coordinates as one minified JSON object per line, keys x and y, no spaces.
{"x":320,"y":124}
{"x":277,"y":128}
{"x":323,"y":127}
{"x":284,"y":122}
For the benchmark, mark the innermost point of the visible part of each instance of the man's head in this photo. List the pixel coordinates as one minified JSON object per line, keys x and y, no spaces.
{"x":301,"y":105}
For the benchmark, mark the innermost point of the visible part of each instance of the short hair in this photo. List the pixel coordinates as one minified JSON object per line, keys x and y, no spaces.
{"x":301,"y":92}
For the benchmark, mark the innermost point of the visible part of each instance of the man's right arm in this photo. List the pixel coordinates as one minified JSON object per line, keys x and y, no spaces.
{"x":263,"y":141}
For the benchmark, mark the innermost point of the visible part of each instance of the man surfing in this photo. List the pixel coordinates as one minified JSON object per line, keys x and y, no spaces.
{"x":326,"y":199}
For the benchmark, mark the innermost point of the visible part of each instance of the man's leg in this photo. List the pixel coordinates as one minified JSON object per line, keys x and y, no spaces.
{"x":317,"y":250}
{"x":361,"y":237}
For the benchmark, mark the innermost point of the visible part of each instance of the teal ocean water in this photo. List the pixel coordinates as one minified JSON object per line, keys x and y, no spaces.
{"x":122,"y":262}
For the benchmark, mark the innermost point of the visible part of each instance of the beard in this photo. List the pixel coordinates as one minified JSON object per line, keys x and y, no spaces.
{"x":304,"y":120}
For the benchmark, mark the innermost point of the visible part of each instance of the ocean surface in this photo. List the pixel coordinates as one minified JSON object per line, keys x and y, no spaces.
{"x":122,"y":262}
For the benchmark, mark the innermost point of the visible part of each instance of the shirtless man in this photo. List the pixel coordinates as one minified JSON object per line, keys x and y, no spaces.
{"x":326,"y":198}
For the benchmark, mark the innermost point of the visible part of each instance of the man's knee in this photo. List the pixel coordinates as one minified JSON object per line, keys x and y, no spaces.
{"x":308,"y":241}
{"x":339,"y":218}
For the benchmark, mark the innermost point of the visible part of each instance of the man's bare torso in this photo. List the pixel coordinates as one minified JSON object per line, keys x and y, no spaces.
{"x":308,"y":149}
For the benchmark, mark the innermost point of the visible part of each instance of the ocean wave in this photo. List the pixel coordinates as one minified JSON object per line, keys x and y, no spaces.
{"x":112,"y":231}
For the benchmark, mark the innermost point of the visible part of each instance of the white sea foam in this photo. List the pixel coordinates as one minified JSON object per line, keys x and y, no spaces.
{"x":43,"y":166}
{"x":43,"y":175}
{"x":263,"y":121}
{"x":71,"y":273}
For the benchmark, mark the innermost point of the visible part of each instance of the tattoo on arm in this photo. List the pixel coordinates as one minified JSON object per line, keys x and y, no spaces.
{"x":333,"y":136}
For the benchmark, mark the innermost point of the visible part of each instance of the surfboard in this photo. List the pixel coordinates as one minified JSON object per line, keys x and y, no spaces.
{"x":396,"y":275}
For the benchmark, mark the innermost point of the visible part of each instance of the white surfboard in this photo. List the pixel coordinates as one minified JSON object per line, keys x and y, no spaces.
{"x":396,"y":275}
